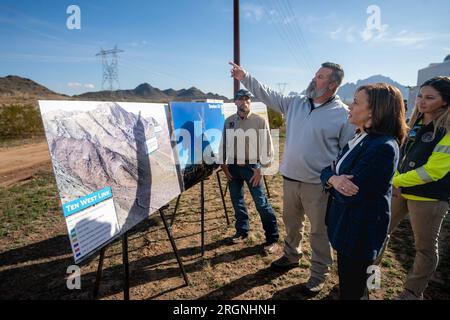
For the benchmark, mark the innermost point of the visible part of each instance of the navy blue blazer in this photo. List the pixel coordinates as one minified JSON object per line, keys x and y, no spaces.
{"x":357,"y":225}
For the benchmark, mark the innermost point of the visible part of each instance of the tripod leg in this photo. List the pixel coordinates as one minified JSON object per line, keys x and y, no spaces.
{"x":99,"y":273}
{"x":202,"y":213}
{"x":172,"y":219}
{"x":226,"y":189}
{"x":126,"y":270}
{"x":223,"y":198}
{"x":174,"y":247}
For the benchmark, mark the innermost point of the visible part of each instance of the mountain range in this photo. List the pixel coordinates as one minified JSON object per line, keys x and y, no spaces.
{"x":23,"y":91}
{"x":15,"y":89}
{"x":347,"y":91}
{"x":147,"y":93}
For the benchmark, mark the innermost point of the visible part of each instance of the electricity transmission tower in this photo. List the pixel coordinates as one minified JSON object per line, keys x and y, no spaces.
{"x":110,"y":70}
{"x":282,"y":87}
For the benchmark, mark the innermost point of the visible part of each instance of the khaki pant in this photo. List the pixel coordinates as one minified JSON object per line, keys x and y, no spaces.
{"x":426,"y":219}
{"x":299,"y":199}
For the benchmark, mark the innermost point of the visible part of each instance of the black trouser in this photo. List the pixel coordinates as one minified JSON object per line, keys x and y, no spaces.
{"x":352,"y":278}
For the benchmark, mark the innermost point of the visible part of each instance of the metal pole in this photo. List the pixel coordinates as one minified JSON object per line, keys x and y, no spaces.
{"x":175,"y":211}
{"x":237,"y":46}
{"x":223,"y":197}
{"x":126,"y":270}
{"x":174,"y":246}
{"x":99,"y":272}
{"x":202,"y":213}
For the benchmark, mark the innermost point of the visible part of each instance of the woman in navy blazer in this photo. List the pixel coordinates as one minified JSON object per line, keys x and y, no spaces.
{"x":360,"y":185}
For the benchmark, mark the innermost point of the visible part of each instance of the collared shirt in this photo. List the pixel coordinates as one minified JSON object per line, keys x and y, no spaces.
{"x":246,"y":141}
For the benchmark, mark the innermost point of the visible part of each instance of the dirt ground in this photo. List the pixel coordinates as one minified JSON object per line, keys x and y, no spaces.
{"x":35,"y":255}
{"x":18,"y":164}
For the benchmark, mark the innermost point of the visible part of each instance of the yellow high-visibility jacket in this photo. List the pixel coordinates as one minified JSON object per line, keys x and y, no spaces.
{"x":436,"y":168}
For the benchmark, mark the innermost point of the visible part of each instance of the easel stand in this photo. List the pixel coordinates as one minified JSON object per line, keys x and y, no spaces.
{"x":222,"y":196}
{"x":125,"y":262}
{"x":202,"y":214}
{"x":202,"y":209}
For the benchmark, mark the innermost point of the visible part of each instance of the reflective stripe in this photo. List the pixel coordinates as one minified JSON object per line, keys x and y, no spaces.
{"x":424,"y":175}
{"x":442,"y":149}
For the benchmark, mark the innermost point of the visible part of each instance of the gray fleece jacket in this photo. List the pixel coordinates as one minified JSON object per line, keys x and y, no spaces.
{"x":313,"y":138}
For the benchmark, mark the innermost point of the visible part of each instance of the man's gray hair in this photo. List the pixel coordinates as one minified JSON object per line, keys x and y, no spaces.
{"x":337,"y":74}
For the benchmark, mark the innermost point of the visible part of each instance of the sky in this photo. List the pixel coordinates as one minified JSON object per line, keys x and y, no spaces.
{"x":183,"y":43}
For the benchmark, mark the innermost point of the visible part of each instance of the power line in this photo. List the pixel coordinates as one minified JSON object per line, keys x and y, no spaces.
{"x":299,"y":29}
{"x":280,"y":31}
{"x":289,"y":35}
{"x":286,"y":27}
{"x":290,"y":20}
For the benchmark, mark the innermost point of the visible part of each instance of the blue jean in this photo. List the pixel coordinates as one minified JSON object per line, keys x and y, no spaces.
{"x":265,"y":210}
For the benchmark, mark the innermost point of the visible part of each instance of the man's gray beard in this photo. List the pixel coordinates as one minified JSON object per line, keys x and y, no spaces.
{"x":312,"y":93}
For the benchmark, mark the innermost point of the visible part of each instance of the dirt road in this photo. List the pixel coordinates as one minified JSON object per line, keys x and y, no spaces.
{"x":21,"y":163}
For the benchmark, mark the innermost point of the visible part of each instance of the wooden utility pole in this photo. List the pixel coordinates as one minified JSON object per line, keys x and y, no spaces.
{"x":237,"y":43}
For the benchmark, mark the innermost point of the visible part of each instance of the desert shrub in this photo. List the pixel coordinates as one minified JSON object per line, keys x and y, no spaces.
{"x":276,"y":120}
{"x":18,"y":122}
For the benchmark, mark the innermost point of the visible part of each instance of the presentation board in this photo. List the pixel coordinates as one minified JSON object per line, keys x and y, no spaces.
{"x":197,"y":132}
{"x":99,"y":146}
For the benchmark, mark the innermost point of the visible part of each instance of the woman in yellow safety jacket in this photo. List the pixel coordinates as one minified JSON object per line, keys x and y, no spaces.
{"x":422,"y":182}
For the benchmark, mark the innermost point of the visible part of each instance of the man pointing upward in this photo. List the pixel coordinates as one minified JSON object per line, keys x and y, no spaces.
{"x":316,"y":130}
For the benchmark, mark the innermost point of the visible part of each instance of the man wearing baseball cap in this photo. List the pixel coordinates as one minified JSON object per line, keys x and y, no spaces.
{"x":247,"y":147}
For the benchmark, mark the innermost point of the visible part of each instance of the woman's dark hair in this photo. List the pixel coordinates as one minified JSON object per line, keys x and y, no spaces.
{"x":442,"y":86}
{"x":388,"y":110}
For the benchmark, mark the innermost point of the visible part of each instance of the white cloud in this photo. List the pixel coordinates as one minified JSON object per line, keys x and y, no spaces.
{"x":80,"y":85}
{"x":74,"y":85}
{"x":350,"y":37}
{"x":288,"y":20}
{"x":345,"y":34}
{"x":403,"y":38}
{"x":406,"y":38}
{"x":258,"y":13}
{"x":335,"y":35}
{"x":137,"y":44}
{"x":252,"y":12}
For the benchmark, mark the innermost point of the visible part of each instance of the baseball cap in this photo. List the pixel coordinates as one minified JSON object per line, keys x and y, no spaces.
{"x":243,"y":93}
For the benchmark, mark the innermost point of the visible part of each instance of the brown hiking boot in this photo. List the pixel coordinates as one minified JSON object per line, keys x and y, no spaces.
{"x":284,"y":263}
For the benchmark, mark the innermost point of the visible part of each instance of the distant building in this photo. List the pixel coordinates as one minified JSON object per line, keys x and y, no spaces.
{"x":433,"y":70}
